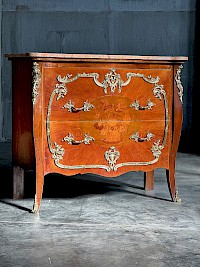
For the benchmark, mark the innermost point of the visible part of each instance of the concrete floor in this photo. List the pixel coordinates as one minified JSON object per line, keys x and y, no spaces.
{"x":95,"y":222}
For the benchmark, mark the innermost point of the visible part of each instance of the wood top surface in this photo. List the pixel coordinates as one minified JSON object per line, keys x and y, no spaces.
{"x":97,"y":57}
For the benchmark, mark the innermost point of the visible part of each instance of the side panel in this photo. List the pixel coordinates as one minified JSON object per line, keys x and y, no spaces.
{"x":22,"y":131}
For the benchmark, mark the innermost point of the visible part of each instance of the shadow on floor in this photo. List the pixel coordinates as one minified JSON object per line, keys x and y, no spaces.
{"x":10,"y":203}
{"x":60,"y":186}
{"x":57,"y":185}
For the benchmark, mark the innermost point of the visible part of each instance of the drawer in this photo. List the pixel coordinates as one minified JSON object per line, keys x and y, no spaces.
{"x":87,"y":143}
{"x":72,"y":91}
{"x":107,"y":108}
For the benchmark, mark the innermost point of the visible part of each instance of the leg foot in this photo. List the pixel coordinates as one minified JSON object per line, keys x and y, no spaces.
{"x":35,"y":206}
{"x":171,"y":183}
{"x":39,"y":191}
{"x":149,"y":180}
{"x":177,"y":198}
{"x":18,"y":182}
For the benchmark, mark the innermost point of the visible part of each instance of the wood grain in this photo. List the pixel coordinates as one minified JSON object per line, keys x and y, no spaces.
{"x":100,"y":57}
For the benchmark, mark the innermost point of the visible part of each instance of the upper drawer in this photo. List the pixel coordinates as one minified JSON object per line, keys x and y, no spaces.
{"x":79,"y":93}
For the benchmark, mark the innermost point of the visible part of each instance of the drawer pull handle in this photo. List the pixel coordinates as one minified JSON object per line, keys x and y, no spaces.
{"x":137,"y":138}
{"x":71,"y":108}
{"x":70,"y":139}
{"x":136,"y":105}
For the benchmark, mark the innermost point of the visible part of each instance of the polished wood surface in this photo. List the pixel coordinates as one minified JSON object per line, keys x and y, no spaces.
{"x":100,"y":57}
{"x":149,"y":180}
{"x":22,"y":114}
{"x":107,"y":115}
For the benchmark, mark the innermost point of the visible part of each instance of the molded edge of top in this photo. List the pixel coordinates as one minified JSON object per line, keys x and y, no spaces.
{"x":96,"y":57}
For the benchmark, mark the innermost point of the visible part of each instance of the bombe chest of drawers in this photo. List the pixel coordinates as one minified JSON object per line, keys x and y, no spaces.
{"x":101,"y":114}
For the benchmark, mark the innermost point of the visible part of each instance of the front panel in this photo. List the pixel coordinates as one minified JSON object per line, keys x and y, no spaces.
{"x":107,"y":120}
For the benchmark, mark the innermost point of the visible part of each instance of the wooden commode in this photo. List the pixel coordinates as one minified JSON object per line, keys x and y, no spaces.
{"x":100,"y":114}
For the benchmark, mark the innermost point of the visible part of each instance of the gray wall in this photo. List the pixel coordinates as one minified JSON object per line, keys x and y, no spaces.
{"x":1,"y":100}
{"x":136,"y":27}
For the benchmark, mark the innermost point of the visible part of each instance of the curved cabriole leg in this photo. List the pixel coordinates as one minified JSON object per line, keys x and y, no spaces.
{"x":171,"y":182}
{"x":39,"y":171}
{"x":172,"y":185}
{"x":176,"y":133}
{"x":39,"y":191}
{"x":39,"y":130}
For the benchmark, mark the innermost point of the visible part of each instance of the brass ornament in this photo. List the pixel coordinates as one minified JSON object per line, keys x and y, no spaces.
{"x":71,"y":108}
{"x":36,"y":81}
{"x":177,"y":198}
{"x":136,"y":105}
{"x":58,"y":152}
{"x":137,"y":138}
{"x":70,"y":139}
{"x":111,"y":79}
{"x":156,"y":149}
{"x":178,"y":82}
{"x":112,"y":156}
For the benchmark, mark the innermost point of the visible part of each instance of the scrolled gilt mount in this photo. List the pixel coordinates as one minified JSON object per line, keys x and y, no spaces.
{"x":36,"y":81}
{"x":111,"y":80}
{"x":112,"y":155}
{"x":178,"y":82}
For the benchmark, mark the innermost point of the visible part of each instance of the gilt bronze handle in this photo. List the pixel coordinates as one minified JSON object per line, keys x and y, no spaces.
{"x":137,"y":138}
{"x":71,"y":108}
{"x":136,"y":105}
{"x":70,"y":139}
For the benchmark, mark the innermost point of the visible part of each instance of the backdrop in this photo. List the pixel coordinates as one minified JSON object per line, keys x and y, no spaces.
{"x":134,"y":27}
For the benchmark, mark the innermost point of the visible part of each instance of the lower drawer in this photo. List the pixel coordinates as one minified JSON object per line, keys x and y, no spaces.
{"x":106,"y":145}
